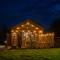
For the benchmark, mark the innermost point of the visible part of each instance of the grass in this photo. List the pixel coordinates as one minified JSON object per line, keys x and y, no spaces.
{"x":31,"y":54}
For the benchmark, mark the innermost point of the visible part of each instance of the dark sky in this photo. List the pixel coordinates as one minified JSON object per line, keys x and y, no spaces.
{"x":42,"y":11}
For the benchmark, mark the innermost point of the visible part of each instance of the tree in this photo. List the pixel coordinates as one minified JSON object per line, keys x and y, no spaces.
{"x":55,"y":27}
{"x":3,"y":32}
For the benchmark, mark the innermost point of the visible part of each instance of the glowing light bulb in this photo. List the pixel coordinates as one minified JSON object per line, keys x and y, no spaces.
{"x":17,"y":28}
{"x":37,"y":28}
{"x":42,"y":34}
{"x":22,"y":25}
{"x":14,"y":34}
{"x":40,"y":31}
{"x":12,"y":30}
{"x":32,"y":25}
{"x":50,"y":34}
{"x":34,"y":31}
{"x":27,"y":23}
{"x":28,"y":30}
{"x":22,"y":30}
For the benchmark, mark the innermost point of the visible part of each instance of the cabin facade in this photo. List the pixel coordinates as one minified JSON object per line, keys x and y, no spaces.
{"x":29,"y":35}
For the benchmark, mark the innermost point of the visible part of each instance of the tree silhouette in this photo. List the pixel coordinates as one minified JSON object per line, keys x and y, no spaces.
{"x":55,"y":27}
{"x":3,"y":32}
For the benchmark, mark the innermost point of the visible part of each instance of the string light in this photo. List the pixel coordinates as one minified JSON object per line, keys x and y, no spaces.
{"x":40,"y":31}
{"x":17,"y":31}
{"x":17,"y":28}
{"x":42,"y":35}
{"x":34,"y":31}
{"x":32,"y":25}
{"x":28,"y":30}
{"x":27,"y":23}
{"x":22,"y":30}
{"x":14,"y":34}
{"x":37,"y":28}
{"x":49,"y":34}
{"x":22,"y":25}
{"x":12,"y":30}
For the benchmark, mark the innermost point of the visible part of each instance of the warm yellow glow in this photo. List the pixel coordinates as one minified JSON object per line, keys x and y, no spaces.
{"x":37,"y":28}
{"x":42,"y":34}
{"x":39,"y":35}
{"x":47,"y":34}
{"x":34,"y":31}
{"x":27,"y":27}
{"x":23,"y":31}
{"x":17,"y":31}
{"x":28,"y":30}
{"x":18,"y":28}
{"x":12,"y":30}
{"x":32,"y":25}
{"x":27,"y":23}
{"x":35,"y":34}
{"x":22,"y":25}
{"x":32,"y":35}
{"x":40,"y":31}
{"x":26,"y":34}
{"x":14,"y":34}
{"x":50,"y":34}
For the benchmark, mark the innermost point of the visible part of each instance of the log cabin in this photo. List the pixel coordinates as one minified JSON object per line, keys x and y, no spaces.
{"x":28,"y":34}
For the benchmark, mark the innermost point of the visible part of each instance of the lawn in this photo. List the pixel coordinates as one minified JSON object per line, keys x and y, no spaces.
{"x":31,"y":54}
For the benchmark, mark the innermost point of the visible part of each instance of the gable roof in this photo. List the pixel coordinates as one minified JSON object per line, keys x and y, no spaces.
{"x":30,"y":21}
